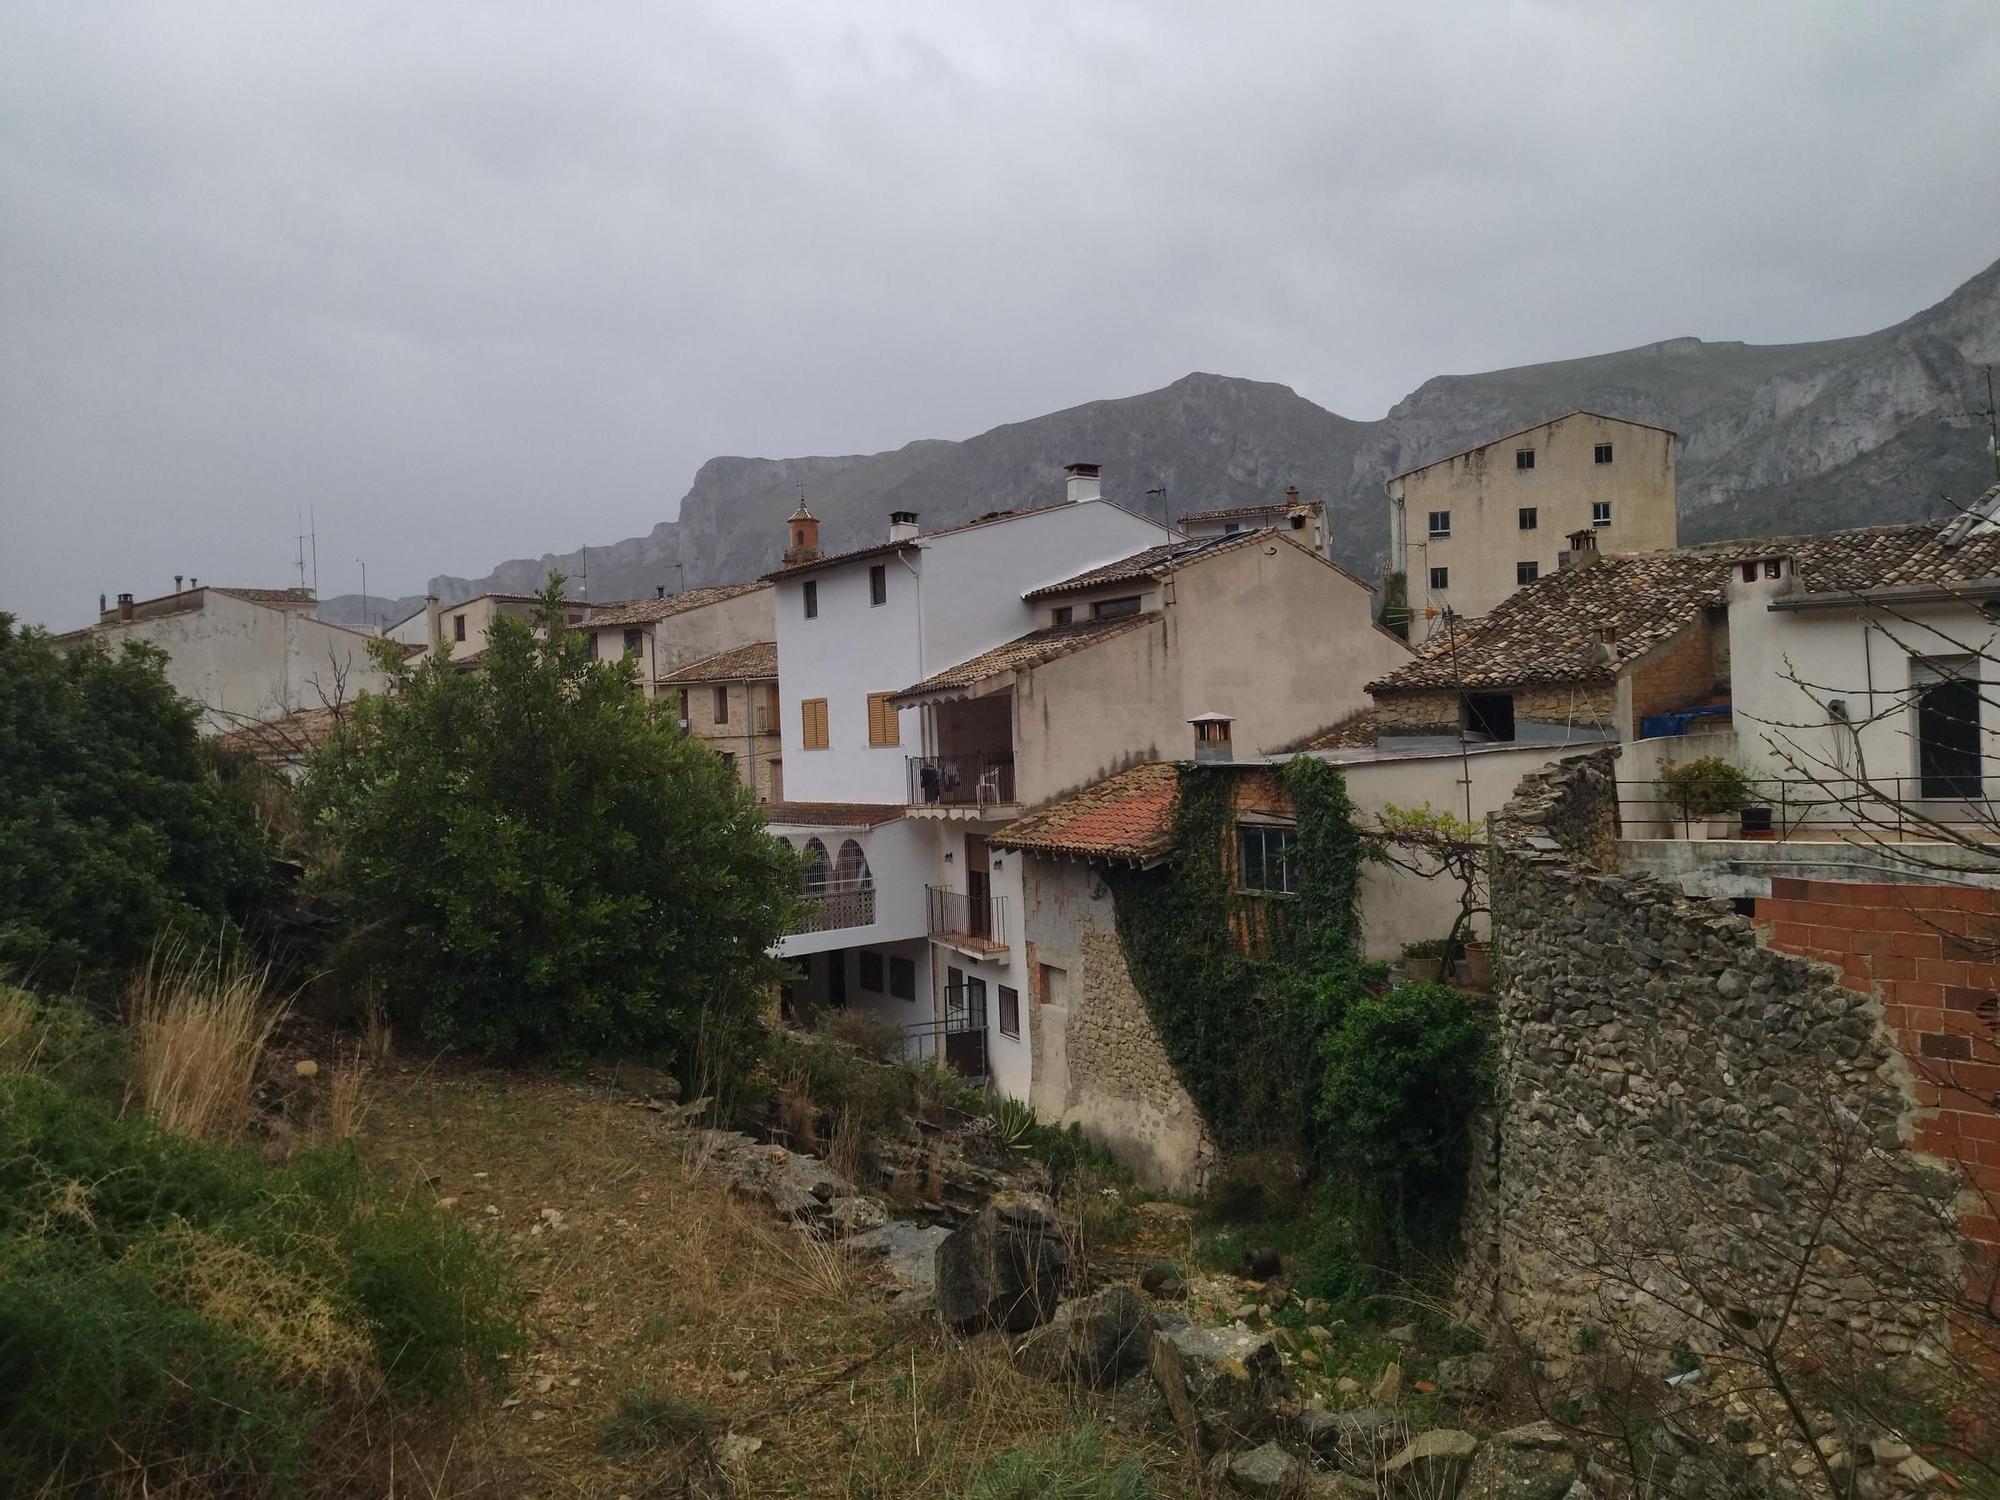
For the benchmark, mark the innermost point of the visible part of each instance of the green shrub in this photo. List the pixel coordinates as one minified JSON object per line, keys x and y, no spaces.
{"x":533,"y":860}
{"x":172,"y":1302}
{"x":1708,"y":787}
{"x":1068,"y":1466}
{"x":1404,"y":1073}
{"x":647,"y":1419}
{"x":114,"y":827}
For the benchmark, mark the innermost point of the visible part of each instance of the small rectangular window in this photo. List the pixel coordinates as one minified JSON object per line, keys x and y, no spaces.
{"x":812,"y":714}
{"x":458,"y":627}
{"x":811,"y":592}
{"x":1062,"y":614}
{"x":1600,"y":512}
{"x":1265,"y":860}
{"x":1010,"y":1011}
{"x":878,"y":584}
{"x":1440,"y":523}
{"x":635,"y":641}
{"x":1604,"y":453}
{"x":1106,"y":609}
{"x":729,"y":760}
{"x":1440,"y":579}
{"x":1524,"y":458}
{"x":1526,"y":572}
{"x":871,"y":971}
{"x":1529,"y":519}
{"x":591,"y":636}
{"x":883,"y":728}
{"x":1774,"y":567}
{"x":721,"y":704}
{"x":902,"y":978}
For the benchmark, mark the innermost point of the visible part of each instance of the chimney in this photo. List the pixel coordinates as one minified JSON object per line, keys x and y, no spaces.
{"x":1582,"y":551}
{"x":101,"y":603}
{"x":802,"y":536}
{"x":1292,"y":496}
{"x":1211,"y":737}
{"x":1082,"y":483}
{"x":433,"y":621}
{"x":177,"y":583}
{"x":124,"y":606}
{"x":902,"y":525}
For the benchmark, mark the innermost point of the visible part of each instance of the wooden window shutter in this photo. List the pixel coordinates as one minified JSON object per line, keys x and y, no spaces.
{"x":813,"y":712}
{"x":882,"y":726}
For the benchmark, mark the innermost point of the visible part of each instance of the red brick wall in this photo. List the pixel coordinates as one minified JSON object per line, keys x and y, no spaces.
{"x":1680,"y":675}
{"x":1931,"y":955}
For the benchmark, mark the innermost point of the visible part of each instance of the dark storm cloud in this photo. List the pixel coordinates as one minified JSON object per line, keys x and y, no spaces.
{"x":477,"y":281}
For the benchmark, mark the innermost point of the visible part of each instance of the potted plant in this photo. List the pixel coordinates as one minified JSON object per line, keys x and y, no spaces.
{"x":1475,"y":965}
{"x":1425,"y":960}
{"x":1705,"y":788}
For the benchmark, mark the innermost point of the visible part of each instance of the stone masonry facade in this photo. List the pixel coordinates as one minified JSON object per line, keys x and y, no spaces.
{"x":1585,"y":704}
{"x":1689,"y":1125}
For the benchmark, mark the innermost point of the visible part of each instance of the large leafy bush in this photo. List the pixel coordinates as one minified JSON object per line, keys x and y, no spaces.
{"x":114,"y":825}
{"x":533,"y":860}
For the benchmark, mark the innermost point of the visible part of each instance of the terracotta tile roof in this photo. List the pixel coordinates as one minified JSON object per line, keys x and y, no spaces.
{"x":1549,"y":630}
{"x":288,"y":598}
{"x":1154,"y":562}
{"x":283,"y":741}
{"x":750,"y":663}
{"x":991,"y":518}
{"x":1129,"y":816}
{"x":1355,"y":732}
{"x":1431,"y":463}
{"x":1030,"y":650}
{"x":649,"y":611}
{"x":1275,"y":508}
{"x":832,"y":814}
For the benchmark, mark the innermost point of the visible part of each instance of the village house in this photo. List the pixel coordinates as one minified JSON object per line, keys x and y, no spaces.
{"x":1469,"y":529}
{"x":246,"y":656}
{"x":670,"y":631}
{"x":460,"y":629}
{"x":729,"y":701}
{"x":1304,"y":520}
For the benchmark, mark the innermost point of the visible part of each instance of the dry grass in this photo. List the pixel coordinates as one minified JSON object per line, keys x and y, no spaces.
{"x":20,"y":1035}
{"x":199,"y":1022}
{"x":658,"y":1283}
{"x":378,"y":1038}
{"x":347,"y":1099}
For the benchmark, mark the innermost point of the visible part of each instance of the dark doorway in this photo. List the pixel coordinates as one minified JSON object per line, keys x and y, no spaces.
{"x":978,"y":887}
{"x":1948,"y":729}
{"x":1490,"y":714}
{"x":836,"y":980}
{"x":964,"y":1024}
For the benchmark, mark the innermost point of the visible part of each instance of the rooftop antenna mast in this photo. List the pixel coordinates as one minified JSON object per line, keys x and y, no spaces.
{"x":312,"y":520}
{"x":302,"y":549}
{"x":583,"y":584}
{"x":1992,"y":424}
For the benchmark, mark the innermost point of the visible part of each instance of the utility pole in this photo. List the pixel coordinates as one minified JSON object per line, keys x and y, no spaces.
{"x":1992,"y":425}
{"x":367,"y":612}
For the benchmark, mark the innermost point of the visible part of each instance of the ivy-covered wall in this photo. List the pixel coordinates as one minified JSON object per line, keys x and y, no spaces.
{"x":1241,"y":986}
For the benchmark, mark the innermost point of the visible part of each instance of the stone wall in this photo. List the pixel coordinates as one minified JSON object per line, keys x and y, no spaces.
{"x":1098,"y":1062}
{"x":1688,"y":1124}
{"x":1435,"y":711}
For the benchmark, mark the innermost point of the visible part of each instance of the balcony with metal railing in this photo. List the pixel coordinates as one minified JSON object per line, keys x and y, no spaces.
{"x":975,"y":782}
{"x":976,"y":925}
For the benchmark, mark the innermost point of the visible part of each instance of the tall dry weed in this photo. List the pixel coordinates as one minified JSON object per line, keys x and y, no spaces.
{"x":199,"y":1024}
{"x":347,"y":1099}
{"x":20,"y":1036}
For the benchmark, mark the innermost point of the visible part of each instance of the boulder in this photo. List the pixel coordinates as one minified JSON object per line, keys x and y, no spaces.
{"x":1221,"y":1384}
{"x":1469,"y":1377}
{"x":1095,"y":1341}
{"x":1360,"y":1441}
{"x":1003,"y":1268}
{"x":1164,"y":1281}
{"x":1523,"y":1463}
{"x":1432,"y":1467}
{"x":1267,"y":1473}
{"x":852,"y":1216}
{"x":908,"y":1252}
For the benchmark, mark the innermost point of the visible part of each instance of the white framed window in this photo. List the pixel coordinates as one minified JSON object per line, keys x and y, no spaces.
{"x":810,"y":591}
{"x":1440,"y":579}
{"x":1600,"y":512}
{"x":1440,"y":523}
{"x":1526,"y":573}
{"x":1266,"y":861}
{"x":1603,"y":453}
{"x":1524,"y":458}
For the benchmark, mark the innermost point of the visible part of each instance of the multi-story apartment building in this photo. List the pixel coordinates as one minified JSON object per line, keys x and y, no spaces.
{"x":1304,"y":519}
{"x":247,"y":656}
{"x":936,"y":686}
{"x":1469,"y":529}
{"x":730,"y":702}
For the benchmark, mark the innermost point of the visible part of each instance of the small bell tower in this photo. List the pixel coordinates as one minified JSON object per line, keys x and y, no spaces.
{"x":802,"y":532}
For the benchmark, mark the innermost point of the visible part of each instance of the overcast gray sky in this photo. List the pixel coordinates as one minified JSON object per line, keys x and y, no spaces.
{"x":481,"y":280}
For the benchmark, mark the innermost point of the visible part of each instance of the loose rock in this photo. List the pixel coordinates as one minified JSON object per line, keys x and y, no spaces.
{"x":1095,"y":1341}
{"x":1221,"y":1384}
{"x":1005,"y":1267}
{"x":1432,"y":1467}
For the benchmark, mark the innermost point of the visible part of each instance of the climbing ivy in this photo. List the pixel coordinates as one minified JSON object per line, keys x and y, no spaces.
{"x":1243,"y":988}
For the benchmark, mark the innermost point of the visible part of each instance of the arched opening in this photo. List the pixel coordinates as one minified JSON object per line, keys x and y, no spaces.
{"x":818,"y":867}
{"x":850,"y":871}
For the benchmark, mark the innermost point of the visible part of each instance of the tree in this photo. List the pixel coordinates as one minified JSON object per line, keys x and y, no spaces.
{"x":532,"y":859}
{"x":114,"y":826}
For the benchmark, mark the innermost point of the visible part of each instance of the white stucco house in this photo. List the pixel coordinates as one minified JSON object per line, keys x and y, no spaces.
{"x":246,"y":655}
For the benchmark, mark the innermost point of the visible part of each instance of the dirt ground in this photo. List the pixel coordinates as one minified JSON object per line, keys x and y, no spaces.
{"x":649,"y":1286}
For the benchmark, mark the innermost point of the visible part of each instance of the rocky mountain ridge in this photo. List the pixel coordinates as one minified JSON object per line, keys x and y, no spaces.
{"x":1879,"y":427}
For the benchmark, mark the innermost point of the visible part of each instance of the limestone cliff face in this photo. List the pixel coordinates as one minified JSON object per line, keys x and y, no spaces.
{"x":1797,"y":437}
